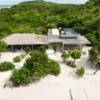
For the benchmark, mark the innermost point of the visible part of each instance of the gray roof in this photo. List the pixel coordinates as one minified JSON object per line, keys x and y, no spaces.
{"x":53,"y":37}
{"x":25,"y":39}
{"x":69,"y":33}
{"x":79,"y":40}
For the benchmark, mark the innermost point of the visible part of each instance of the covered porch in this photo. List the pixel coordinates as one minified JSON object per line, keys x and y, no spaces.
{"x":22,"y":47}
{"x":63,"y":46}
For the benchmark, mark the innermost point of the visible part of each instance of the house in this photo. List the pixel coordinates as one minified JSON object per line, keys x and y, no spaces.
{"x":20,"y":41}
{"x":66,"y":38}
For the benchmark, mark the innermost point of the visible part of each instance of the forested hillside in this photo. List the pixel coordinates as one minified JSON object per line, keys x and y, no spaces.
{"x":37,"y":17}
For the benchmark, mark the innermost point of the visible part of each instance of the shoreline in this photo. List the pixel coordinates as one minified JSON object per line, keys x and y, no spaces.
{"x":5,"y":6}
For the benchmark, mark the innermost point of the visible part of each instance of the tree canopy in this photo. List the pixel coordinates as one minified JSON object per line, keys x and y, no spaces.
{"x":76,"y":54}
{"x":37,"y":16}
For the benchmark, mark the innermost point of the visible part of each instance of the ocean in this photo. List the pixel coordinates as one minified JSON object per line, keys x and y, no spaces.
{"x":5,"y":6}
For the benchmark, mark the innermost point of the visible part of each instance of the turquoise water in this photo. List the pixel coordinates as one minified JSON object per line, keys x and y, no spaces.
{"x":5,"y":6}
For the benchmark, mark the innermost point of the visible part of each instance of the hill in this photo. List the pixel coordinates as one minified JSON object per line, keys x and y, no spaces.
{"x":37,"y":17}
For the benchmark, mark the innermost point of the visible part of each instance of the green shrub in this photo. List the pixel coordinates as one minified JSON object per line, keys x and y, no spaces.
{"x":71,"y":64}
{"x":80,"y":72}
{"x":3,"y":46}
{"x":6,"y":66}
{"x":38,"y":70}
{"x":53,"y":67}
{"x":55,"y":47}
{"x":42,"y":49}
{"x":17,"y":59}
{"x":27,"y":49}
{"x":19,"y":76}
{"x":38,"y":56}
{"x":36,"y":66}
{"x":65,"y":56}
{"x":39,"y":63}
{"x":76,"y":54}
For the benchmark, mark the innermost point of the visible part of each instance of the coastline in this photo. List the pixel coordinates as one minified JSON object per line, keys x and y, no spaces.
{"x":5,"y":6}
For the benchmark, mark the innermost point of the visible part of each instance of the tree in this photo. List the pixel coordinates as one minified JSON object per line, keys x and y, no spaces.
{"x":91,"y":38}
{"x":65,"y":56}
{"x":42,"y":49}
{"x":76,"y":54}
{"x":94,"y":56}
{"x":51,"y":26}
{"x":38,"y":0}
{"x":97,"y":67}
{"x":3,"y":46}
{"x":27,"y":49}
{"x":55,"y":47}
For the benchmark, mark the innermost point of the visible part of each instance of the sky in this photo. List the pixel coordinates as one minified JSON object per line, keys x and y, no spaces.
{"x":8,"y":2}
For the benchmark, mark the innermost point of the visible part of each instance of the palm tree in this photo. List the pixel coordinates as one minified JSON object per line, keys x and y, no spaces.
{"x":94,"y":57}
{"x":97,"y":67}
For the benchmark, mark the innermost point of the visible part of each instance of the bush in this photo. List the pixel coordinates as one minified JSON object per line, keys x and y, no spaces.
{"x":36,"y":66}
{"x":27,"y":49}
{"x":3,"y":46}
{"x":76,"y":54}
{"x":65,"y":56}
{"x":38,"y":56}
{"x":19,"y":76}
{"x":41,"y":65}
{"x":42,"y":49}
{"x":38,"y":70}
{"x":71,"y":64}
{"x":6,"y":66}
{"x":80,"y":72}
{"x":17,"y":59}
{"x":53,"y":67}
{"x":55,"y":47}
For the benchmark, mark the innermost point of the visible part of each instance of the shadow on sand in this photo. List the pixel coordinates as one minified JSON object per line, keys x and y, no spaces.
{"x":29,"y":81}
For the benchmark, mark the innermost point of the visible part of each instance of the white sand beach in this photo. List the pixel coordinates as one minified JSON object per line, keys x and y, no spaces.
{"x":51,"y":87}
